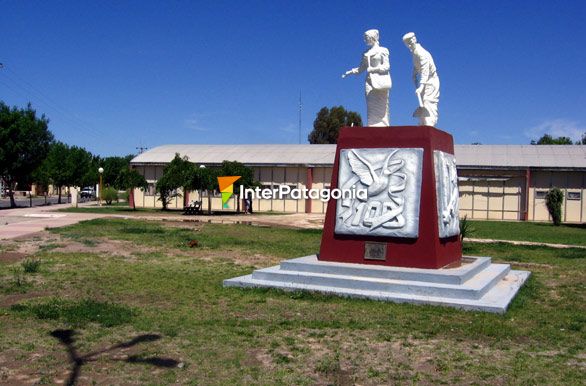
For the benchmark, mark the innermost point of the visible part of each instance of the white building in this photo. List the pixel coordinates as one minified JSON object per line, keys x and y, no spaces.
{"x":497,"y":182}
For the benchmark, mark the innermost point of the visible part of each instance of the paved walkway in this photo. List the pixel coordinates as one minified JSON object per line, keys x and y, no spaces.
{"x":19,"y":222}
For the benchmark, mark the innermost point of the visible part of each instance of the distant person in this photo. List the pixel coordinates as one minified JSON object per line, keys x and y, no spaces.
{"x":248,"y":202}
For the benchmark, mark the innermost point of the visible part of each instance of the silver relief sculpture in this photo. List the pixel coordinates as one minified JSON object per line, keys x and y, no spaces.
{"x":426,"y":81}
{"x":446,"y":183}
{"x":375,"y":61}
{"x":392,"y":180}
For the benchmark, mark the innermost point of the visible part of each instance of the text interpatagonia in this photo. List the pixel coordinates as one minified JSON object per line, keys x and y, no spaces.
{"x":286,"y":192}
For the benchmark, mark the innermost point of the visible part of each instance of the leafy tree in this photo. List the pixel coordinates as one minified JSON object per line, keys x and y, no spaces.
{"x":206,"y":179}
{"x":79,"y":162}
{"x":176,"y":175}
{"x":65,"y":166}
{"x":130,"y":179}
{"x":235,"y":168}
{"x":328,"y":122}
{"x":582,"y":141}
{"x":547,"y":139}
{"x":92,"y":176}
{"x":113,"y":167}
{"x":553,"y":200}
{"x":55,"y":167}
{"x":24,"y":144}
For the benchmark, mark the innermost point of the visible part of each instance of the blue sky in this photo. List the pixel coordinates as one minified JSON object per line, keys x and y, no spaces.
{"x":114,"y":75}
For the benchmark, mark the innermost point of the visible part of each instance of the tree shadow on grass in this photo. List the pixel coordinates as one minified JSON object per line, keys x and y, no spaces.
{"x":67,"y":338}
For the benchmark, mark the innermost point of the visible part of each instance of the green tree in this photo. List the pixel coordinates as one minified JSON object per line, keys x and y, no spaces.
{"x":24,"y":144}
{"x":582,"y":141}
{"x":56,"y":168}
{"x":206,"y":179}
{"x":65,"y":166}
{"x":547,"y":139}
{"x":553,"y":200}
{"x":79,"y":162}
{"x":176,"y":175}
{"x":235,"y":168}
{"x":328,"y":122}
{"x":130,"y":179}
{"x":113,"y":167}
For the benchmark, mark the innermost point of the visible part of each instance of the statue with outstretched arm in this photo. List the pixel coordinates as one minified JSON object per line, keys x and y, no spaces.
{"x":375,"y":61}
{"x":426,"y":81}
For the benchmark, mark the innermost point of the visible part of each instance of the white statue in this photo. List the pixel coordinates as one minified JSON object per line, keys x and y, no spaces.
{"x":426,"y":81}
{"x":375,"y":61}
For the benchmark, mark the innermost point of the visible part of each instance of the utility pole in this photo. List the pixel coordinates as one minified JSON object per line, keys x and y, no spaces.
{"x":300,"y":108}
{"x":141,"y":149}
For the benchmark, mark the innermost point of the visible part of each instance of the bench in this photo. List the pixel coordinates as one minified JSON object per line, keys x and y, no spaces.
{"x":193,"y":208}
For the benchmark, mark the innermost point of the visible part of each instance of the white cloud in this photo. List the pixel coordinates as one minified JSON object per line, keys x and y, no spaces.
{"x":193,"y":124}
{"x":290,"y":128}
{"x":557,"y":128}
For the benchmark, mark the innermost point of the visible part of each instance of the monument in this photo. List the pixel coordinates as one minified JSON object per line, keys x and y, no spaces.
{"x":375,"y":61}
{"x":426,"y":81}
{"x":400,"y":241}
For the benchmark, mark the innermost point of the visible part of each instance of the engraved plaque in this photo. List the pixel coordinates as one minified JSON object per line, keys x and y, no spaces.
{"x":391,"y":181}
{"x":446,"y":184}
{"x":375,"y":251}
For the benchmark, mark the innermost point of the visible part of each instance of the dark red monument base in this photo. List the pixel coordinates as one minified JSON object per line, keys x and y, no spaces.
{"x":426,"y":251}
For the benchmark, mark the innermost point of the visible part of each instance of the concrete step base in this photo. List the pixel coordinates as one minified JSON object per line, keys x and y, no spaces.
{"x":476,"y":285}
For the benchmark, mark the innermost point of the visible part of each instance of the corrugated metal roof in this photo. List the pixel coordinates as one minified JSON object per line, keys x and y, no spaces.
{"x":481,"y":156}
{"x":247,"y":154}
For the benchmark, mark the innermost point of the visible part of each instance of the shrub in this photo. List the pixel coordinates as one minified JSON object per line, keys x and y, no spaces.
{"x":109,"y":194}
{"x":466,"y":228}
{"x":553,"y":201}
{"x":31,"y":265}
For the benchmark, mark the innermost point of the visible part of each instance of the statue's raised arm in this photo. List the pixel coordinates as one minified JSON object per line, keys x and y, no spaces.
{"x":375,"y":61}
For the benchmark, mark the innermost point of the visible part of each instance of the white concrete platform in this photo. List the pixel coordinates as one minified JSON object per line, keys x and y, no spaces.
{"x":476,"y":285}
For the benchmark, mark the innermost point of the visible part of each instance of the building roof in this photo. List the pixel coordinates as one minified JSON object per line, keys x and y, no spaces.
{"x":467,"y":156}
{"x":253,"y":155}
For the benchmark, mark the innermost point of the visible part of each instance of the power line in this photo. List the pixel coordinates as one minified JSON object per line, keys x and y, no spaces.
{"x":32,"y":91}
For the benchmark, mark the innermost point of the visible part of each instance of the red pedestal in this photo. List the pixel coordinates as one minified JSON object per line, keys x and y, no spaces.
{"x":425,"y":251}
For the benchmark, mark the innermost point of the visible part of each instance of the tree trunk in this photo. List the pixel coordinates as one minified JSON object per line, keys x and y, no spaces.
{"x":10,"y":185}
{"x":209,"y":202}
{"x":237,"y":203}
{"x":131,"y":196}
{"x":59,"y":196}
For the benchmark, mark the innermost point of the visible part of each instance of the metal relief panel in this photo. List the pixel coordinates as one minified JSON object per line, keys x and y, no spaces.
{"x":446,"y":185}
{"x":391,"y":178}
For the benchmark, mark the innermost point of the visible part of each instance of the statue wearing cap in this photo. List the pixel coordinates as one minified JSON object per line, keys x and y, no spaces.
{"x":426,"y":81}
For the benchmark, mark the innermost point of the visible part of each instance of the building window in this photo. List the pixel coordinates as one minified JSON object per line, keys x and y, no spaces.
{"x":574,"y":195}
{"x":288,"y":196}
{"x":151,"y":189}
{"x":540,"y":194}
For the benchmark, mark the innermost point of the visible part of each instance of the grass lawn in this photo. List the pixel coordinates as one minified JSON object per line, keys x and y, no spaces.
{"x":574,"y":234}
{"x":136,"y":304}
